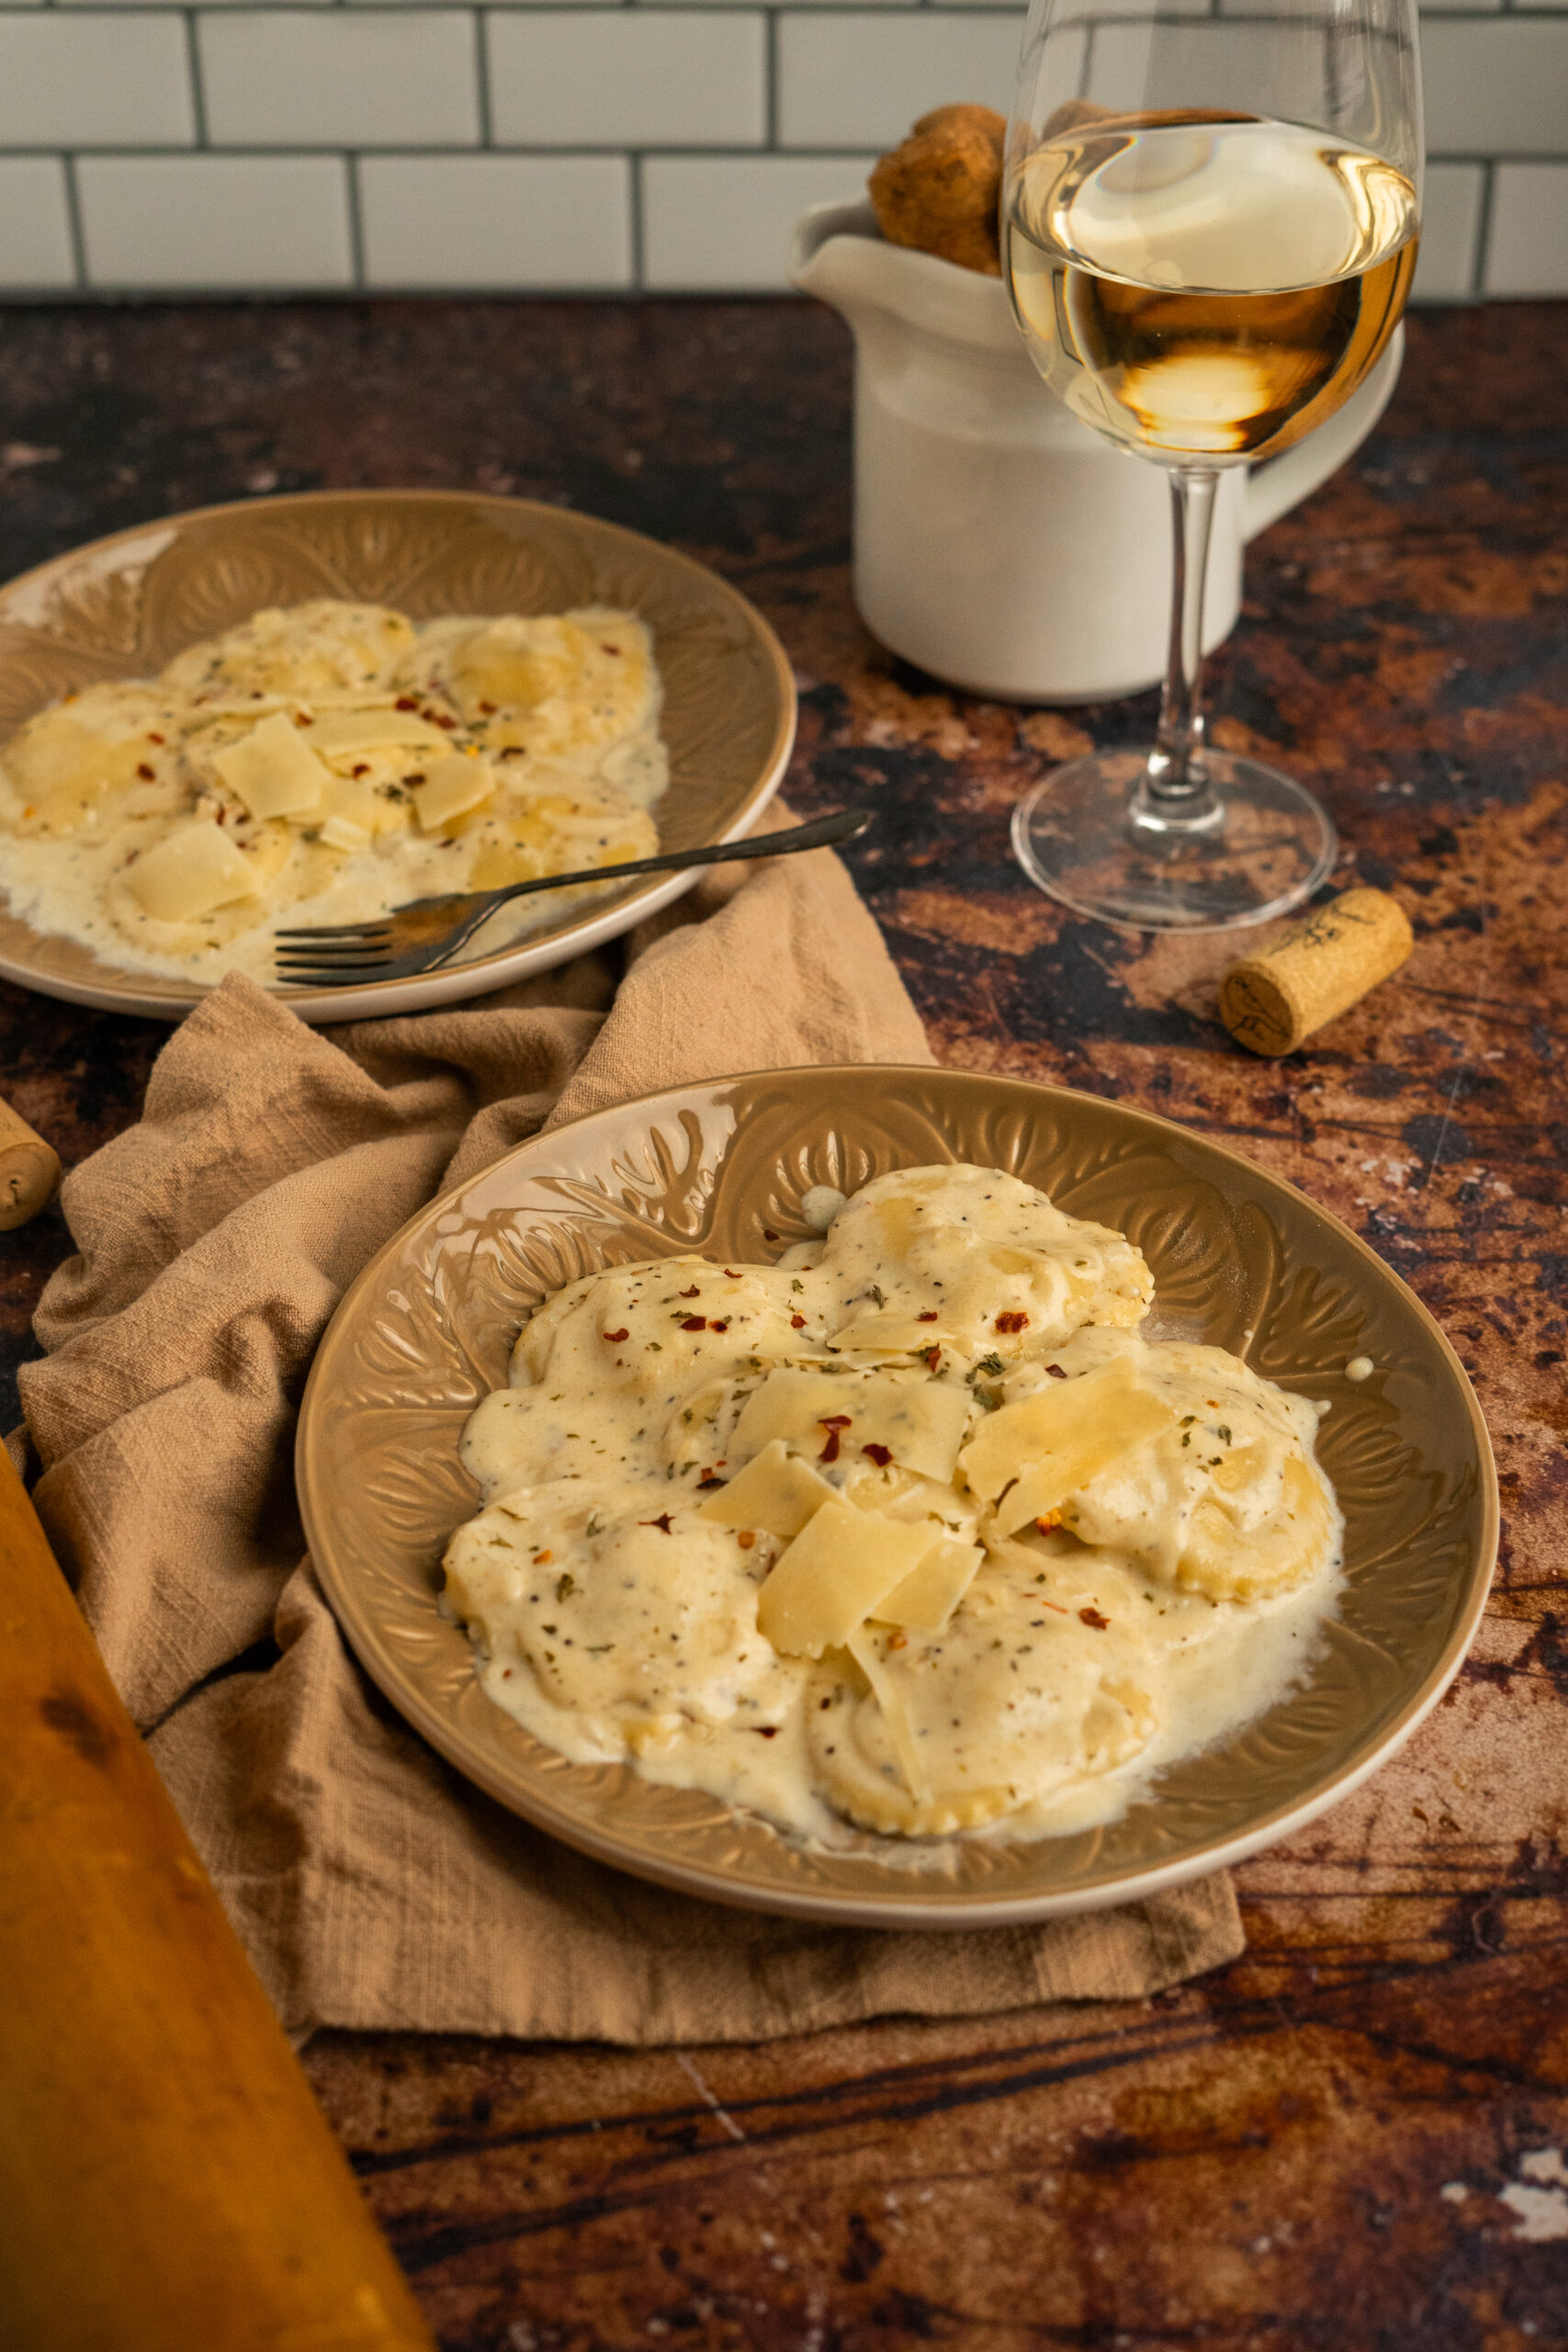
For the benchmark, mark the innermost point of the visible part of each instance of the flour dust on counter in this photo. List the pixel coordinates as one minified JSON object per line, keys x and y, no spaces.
{"x":325,"y":763}
{"x":910,"y":1533}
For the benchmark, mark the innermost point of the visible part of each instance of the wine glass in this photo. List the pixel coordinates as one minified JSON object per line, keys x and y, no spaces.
{"x":1209,"y":230}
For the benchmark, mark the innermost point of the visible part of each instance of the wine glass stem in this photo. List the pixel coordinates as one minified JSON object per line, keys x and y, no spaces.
{"x":1175,"y":787}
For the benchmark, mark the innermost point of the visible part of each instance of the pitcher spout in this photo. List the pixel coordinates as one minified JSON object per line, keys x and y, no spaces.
{"x":838,"y":254}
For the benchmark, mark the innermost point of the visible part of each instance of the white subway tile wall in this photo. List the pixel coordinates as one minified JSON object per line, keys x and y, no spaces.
{"x":216,"y":220}
{"x":339,"y":77}
{"x":494,"y":221}
{"x":36,"y":250}
{"x":605,"y":145}
{"x":1527,"y":251}
{"x":649,"y":77}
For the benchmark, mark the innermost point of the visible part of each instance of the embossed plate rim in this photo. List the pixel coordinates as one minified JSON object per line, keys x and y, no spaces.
{"x":539,"y":952}
{"x":902,"y":1901}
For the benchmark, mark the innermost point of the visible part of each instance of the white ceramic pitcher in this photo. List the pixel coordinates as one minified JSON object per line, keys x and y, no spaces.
{"x":998,"y":543}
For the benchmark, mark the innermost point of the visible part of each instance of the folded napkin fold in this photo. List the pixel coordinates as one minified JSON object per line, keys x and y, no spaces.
{"x":372,"y":1886}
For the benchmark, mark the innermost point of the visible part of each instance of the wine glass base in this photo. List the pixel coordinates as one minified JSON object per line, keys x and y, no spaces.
{"x":1256,"y":846}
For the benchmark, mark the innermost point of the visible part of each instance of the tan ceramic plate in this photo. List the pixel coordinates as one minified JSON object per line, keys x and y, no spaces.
{"x":123,"y":606}
{"x":1240,"y":1260}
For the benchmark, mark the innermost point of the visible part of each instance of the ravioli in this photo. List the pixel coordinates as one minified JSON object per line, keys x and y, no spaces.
{"x":323,"y":763}
{"x":912,"y":1533}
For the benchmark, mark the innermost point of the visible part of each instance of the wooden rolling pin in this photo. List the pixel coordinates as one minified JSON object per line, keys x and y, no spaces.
{"x":29,"y":1169}
{"x":167,"y":2182}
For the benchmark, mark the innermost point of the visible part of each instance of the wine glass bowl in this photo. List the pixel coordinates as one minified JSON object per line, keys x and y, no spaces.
{"x":1209,"y":231}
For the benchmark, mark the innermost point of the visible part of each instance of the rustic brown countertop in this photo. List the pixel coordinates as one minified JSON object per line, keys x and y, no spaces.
{"x":1312,"y":2147}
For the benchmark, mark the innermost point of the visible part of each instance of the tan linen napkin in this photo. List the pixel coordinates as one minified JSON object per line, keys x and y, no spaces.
{"x":372,"y":1886}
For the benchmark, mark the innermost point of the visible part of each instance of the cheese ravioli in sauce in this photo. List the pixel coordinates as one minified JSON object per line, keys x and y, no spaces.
{"x":325,"y":762}
{"x":912,"y":1532}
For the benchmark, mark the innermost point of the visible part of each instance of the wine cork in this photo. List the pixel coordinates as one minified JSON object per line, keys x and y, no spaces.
{"x":29,"y":1169}
{"x":1270,"y":1003}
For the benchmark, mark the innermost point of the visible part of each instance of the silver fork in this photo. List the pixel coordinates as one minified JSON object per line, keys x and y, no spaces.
{"x":429,"y":932}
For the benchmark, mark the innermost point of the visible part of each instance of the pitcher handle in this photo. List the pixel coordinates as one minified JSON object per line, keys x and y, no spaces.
{"x":1273,"y":489}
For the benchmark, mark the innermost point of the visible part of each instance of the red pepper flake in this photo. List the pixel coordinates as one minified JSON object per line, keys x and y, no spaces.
{"x":708,"y":1478}
{"x":1047,"y":1521}
{"x":798,"y":1322}
{"x":616,"y":652}
{"x":733,"y":1274}
{"x":303,"y":719}
{"x":695,"y":1292}
{"x":362,"y":767}
{"x":1013,"y":1322}
{"x":933,"y":1357}
{"x":693,"y":1323}
{"x":746,"y":1539}
{"x":615,"y":1337}
{"x":898,"y":1641}
{"x":768,"y":1234}
{"x":832,"y":1423}
{"x":153,"y":738}
{"x":723,"y":1326}
{"x":488,"y":709}
{"x":441,"y":720}
{"x":418,"y":777}
{"x":1056,"y":1372}
{"x":763,"y":1731}
{"x":1092,"y":1617}
{"x":144,"y":772}
{"x":663,"y":1520}
{"x":405,"y":702}
{"x":881,"y":1455}
{"x":542,"y":1559}
{"x":1055,"y":1606}
{"x":929,"y":1317}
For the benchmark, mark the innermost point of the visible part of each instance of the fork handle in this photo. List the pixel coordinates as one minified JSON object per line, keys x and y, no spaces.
{"x":819,"y":833}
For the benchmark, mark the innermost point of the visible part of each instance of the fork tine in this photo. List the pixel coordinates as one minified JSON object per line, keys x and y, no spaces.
{"x":325,"y":933}
{"x":330,"y":963}
{"x":335,"y":976}
{"x":347,"y":951}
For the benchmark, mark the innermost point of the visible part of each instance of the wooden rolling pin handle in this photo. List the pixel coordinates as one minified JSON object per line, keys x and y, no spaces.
{"x":167,"y":2182}
{"x":29,"y":1169}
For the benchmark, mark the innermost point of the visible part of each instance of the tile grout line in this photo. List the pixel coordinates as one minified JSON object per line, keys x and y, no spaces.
{"x":481,"y":69}
{"x":728,"y":151}
{"x":1481,"y":258}
{"x":193,"y":67}
{"x":770,"y":92}
{"x":73,"y":223}
{"x":638,"y":234}
{"x":356,"y":221}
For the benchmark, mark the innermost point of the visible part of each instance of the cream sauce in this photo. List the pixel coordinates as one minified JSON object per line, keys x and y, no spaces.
{"x":463,"y":753}
{"x":910,"y":1533}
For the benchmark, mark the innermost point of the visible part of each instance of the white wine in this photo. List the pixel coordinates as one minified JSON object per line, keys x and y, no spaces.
{"x":1206,"y":288}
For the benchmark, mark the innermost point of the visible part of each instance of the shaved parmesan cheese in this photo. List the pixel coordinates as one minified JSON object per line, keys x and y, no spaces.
{"x":189,"y":872}
{"x":354,"y":802}
{"x":885,"y":1691}
{"x":453,"y":785}
{"x":927,"y":1596}
{"x":273,"y":769}
{"x":341,"y":833}
{"x":1032,"y":1453}
{"x":841,"y":1565}
{"x":886,"y":1333}
{"x":777,"y":1493}
{"x":920,"y":1422}
{"x":338,"y":733}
